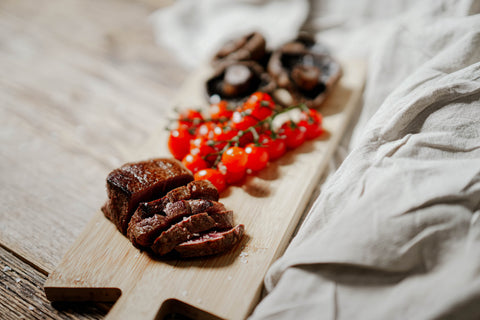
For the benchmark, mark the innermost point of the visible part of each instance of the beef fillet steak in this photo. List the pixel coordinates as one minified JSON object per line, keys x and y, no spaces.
{"x":161,"y":209}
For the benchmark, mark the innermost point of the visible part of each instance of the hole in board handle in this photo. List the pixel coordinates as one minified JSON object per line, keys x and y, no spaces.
{"x":173,"y":309}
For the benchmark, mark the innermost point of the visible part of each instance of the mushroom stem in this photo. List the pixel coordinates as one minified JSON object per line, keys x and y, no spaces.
{"x":237,"y":80}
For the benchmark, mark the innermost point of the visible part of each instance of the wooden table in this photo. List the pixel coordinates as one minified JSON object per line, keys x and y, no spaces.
{"x":81,"y":82}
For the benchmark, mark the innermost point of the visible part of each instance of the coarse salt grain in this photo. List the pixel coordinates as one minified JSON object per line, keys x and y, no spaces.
{"x":6,"y":269}
{"x":31,"y":308}
{"x":18,"y":280}
{"x":243,"y":257}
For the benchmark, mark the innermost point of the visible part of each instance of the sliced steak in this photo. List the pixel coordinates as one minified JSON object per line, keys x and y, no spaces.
{"x":211,"y":243}
{"x":182,"y":231}
{"x":138,"y":182}
{"x":143,"y":232}
{"x":149,"y":220}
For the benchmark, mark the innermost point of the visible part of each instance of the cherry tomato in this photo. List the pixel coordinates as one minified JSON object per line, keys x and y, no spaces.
{"x":294,"y":135}
{"x":212,"y":175}
{"x":220,"y":111}
{"x":312,"y":115}
{"x":235,"y":159}
{"x":194,"y":162}
{"x":200,"y":146}
{"x":206,"y":130}
{"x":224,"y":133}
{"x":274,"y":147}
{"x":231,"y":177}
{"x":241,"y":121}
{"x":179,"y":142}
{"x":245,"y":139}
{"x":257,"y":157}
{"x":312,"y":129}
{"x":259,"y":105}
{"x":312,"y":121}
{"x":261,"y":97}
{"x":190,"y":118}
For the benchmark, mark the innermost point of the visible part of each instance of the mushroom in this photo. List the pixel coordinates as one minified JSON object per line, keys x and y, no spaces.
{"x":237,"y":80}
{"x":248,"y":47}
{"x":303,"y":73}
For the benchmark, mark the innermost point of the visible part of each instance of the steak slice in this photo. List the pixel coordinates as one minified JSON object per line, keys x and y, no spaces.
{"x":223,"y":219}
{"x":199,"y":189}
{"x":138,"y":182}
{"x":149,"y":219}
{"x":211,"y":243}
{"x":182,"y":231}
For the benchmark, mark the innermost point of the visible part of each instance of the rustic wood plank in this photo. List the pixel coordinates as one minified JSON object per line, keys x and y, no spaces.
{"x":22,"y":296}
{"x":82,"y":83}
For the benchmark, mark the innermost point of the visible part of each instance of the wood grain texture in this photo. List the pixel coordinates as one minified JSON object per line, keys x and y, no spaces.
{"x":270,"y":205}
{"x":82,"y":83}
{"x":17,"y":279}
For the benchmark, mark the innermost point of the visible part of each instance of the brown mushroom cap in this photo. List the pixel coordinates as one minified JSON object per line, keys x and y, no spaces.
{"x":237,"y":80}
{"x":249,"y":47}
{"x":302,"y":74}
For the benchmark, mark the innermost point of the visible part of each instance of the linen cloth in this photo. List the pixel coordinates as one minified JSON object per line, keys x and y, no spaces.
{"x":395,"y":232}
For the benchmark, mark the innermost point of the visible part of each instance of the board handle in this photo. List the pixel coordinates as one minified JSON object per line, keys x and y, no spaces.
{"x":128,"y":307}
{"x":82,"y":294}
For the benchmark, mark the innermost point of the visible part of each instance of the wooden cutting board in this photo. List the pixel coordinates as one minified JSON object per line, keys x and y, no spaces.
{"x":102,"y":265}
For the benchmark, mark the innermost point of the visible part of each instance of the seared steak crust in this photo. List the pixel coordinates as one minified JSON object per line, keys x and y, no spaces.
{"x":133,"y":183}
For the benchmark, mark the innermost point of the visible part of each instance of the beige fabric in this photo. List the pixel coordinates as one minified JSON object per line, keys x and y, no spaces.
{"x":395,"y":233}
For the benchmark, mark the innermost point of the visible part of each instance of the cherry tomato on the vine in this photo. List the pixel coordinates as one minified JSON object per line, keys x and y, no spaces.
{"x":257,"y":157}
{"x":262,"y":98}
{"x":312,"y":121}
{"x":312,"y":115}
{"x":242,"y":121}
{"x":205,"y":130}
{"x":231,"y":177}
{"x":294,"y":135}
{"x":274,"y":147}
{"x":220,"y":111}
{"x":200,"y":146}
{"x":194,"y":162}
{"x":190,"y":118}
{"x":235,"y":159}
{"x":224,"y":133}
{"x":212,"y":175}
{"x":259,"y":105}
{"x":179,"y":142}
{"x":312,"y":129}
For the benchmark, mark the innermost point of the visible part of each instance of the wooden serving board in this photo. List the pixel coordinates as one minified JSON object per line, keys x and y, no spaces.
{"x":102,"y":265}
